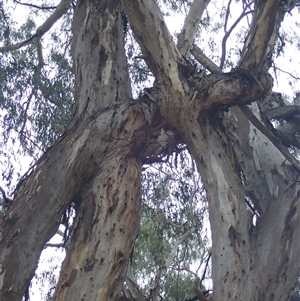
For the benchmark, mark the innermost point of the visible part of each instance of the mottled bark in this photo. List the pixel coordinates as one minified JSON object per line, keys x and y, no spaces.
{"x":237,"y":162}
{"x":97,"y":163}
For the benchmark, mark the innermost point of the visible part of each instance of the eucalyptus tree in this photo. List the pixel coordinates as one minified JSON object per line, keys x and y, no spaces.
{"x":222,"y":116}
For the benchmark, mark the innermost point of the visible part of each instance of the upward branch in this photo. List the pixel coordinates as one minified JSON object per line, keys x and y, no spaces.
{"x":262,"y":34}
{"x":152,"y":34}
{"x":190,"y":26}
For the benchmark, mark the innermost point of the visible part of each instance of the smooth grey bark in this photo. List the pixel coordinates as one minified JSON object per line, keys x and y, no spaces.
{"x":97,"y":163}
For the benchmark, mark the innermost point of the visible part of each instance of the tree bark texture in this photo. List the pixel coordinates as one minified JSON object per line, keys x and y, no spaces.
{"x":97,"y":163}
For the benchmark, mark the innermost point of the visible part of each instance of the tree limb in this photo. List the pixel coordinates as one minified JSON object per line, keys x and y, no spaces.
{"x":35,"y":6}
{"x":261,"y":37}
{"x":56,"y":15}
{"x":272,"y":137}
{"x":227,"y":34}
{"x":168,"y":262}
{"x":205,"y":61}
{"x":151,"y":32}
{"x":186,"y":36}
{"x":285,"y":112}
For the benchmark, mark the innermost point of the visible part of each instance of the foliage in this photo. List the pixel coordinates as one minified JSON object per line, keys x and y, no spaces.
{"x":36,"y":101}
{"x":173,"y":202}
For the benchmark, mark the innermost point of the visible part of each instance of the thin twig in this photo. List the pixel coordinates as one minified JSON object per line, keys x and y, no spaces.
{"x":228,"y":33}
{"x":206,"y":266}
{"x":286,"y":72}
{"x":35,"y":6}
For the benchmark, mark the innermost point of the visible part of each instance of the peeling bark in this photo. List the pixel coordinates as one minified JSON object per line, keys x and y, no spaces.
{"x":97,"y":163}
{"x":91,"y":166}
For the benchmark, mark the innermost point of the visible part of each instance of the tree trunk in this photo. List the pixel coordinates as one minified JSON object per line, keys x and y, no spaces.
{"x":251,"y":260}
{"x":97,"y":163}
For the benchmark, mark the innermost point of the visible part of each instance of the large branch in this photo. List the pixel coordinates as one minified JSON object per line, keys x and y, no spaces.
{"x":151,"y":32}
{"x":262,"y":35}
{"x":190,"y":26}
{"x":56,"y":15}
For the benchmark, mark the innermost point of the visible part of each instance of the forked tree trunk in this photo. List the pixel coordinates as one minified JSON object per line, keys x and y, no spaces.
{"x":97,"y":165}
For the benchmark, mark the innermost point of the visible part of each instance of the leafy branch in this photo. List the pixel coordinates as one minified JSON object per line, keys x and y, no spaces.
{"x":46,"y":26}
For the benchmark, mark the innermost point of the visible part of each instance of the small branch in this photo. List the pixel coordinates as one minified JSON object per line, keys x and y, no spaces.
{"x":132,"y":285}
{"x":59,"y":232}
{"x":56,"y":15}
{"x":35,"y":6}
{"x":206,"y":266}
{"x":190,"y":26}
{"x":168,"y":262}
{"x":39,"y":49}
{"x":18,"y":45}
{"x":286,"y":72}
{"x":272,"y":137}
{"x":60,"y":10}
{"x":284,"y":112}
{"x":60,"y":245}
{"x":189,"y":271}
{"x":204,"y":60}
{"x":25,"y":113}
{"x":227,"y":34}
{"x":227,"y":15}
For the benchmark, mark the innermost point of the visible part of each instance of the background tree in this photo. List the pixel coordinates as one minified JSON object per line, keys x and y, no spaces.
{"x":95,"y":168}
